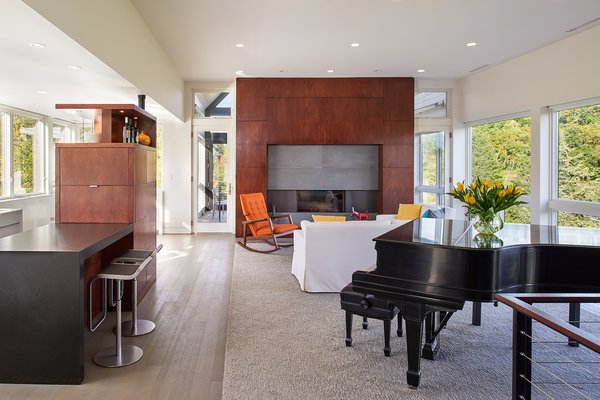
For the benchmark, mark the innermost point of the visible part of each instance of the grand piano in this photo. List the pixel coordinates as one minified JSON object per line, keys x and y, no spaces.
{"x":429,"y":268}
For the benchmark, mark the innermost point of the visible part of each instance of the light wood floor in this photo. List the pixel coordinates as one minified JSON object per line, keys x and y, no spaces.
{"x":184,"y":356}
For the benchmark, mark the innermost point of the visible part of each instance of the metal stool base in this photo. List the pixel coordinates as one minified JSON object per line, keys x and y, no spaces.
{"x":108,"y":358}
{"x":144,"y":327}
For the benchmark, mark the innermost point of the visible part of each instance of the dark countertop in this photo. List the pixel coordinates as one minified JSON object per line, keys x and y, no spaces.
{"x":85,"y":239}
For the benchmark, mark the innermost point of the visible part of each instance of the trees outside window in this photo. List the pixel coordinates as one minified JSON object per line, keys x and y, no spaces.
{"x":579,"y":160}
{"x":501,"y":151}
{"x":27,"y":160}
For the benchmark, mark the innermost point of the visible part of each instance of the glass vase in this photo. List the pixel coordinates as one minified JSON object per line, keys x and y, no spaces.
{"x":488,"y":224}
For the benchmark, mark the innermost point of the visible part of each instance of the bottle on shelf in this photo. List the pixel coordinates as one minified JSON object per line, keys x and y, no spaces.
{"x":135,"y":130}
{"x":126,"y":131}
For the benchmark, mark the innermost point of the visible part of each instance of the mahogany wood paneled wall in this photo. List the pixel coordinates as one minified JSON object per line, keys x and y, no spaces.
{"x":327,"y":111}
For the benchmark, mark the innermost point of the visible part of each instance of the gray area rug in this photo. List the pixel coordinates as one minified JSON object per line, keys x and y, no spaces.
{"x":283,"y":343}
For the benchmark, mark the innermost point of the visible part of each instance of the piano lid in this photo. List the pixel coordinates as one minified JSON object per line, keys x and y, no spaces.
{"x":459,"y":233}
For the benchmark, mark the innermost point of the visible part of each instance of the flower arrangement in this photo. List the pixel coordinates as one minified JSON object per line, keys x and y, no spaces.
{"x":484,"y":199}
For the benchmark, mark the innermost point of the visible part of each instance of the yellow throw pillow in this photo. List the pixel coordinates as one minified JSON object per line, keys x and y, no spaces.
{"x":328,"y":218}
{"x":409,"y":211}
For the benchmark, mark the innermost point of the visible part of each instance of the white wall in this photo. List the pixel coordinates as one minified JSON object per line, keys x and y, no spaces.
{"x":562,"y":72}
{"x":37,"y":211}
{"x":114,"y":32}
{"x":176,"y":178}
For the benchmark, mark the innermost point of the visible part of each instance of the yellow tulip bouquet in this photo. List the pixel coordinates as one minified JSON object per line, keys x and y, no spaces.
{"x":484,"y":199}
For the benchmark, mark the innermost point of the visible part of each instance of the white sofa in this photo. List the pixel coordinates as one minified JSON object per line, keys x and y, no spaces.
{"x":327,"y":253}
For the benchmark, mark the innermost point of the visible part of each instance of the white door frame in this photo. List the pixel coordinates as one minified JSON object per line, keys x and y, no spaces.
{"x":222,"y":125}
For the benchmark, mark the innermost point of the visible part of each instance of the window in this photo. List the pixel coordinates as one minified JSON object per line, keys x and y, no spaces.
{"x":431,"y":105}
{"x":4,"y":155}
{"x":28,"y":165}
{"x":576,"y":180}
{"x":501,"y":150}
{"x":430,"y":171}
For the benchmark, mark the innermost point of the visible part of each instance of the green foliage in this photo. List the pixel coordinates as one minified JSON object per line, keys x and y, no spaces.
{"x":23,"y":150}
{"x":502,"y":152}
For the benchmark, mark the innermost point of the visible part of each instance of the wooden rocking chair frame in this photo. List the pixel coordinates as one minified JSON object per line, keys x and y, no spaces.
{"x":270,"y":239}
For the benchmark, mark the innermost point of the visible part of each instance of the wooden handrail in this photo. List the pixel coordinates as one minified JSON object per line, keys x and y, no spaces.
{"x":522,"y":302}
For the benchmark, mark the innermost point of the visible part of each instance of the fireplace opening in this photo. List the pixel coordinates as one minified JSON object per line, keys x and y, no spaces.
{"x":320,"y":200}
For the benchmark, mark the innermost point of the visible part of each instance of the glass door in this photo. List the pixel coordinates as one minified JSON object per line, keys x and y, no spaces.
{"x":214,"y":204}
{"x":430,"y":167}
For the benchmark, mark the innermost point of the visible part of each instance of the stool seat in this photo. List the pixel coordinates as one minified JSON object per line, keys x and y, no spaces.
{"x":126,"y":271}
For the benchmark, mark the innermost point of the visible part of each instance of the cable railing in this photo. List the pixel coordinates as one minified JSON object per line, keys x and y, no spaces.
{"x":561,"y":371}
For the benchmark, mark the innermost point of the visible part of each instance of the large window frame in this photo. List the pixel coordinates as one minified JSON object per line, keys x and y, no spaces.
{"x":556,"y":203}
{"x":422,"y":188}
{"x":469,"y":145}
{"x":43,"y":159}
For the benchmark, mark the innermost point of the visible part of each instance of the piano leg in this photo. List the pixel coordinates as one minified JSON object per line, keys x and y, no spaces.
{"x":413,"y":314}
{"x":476,"y":313}
{"x":399,"y":330}
{"x":431,"y":346}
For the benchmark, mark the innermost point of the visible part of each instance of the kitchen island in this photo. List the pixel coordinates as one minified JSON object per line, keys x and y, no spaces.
{"x":43,"y":275}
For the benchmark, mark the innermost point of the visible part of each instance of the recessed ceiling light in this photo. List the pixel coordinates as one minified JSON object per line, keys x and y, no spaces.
{"x":330,"y":71}
{"x":354,"y":44}
{"x":240,"y":72}
{"x":240,"y":45}
{"x":41,"y":91}
{"x":378,"y":70}
{"x":283,"y":70}
{"x":74,"y":67}
{"x":420,"y":70}
{"x":471,"y":44}
{"x":122,"y":112}
{"x":37,"y":45}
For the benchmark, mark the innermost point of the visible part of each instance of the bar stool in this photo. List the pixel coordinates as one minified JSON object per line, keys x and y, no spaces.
{"x":121,"y":355}
{"x":136,"y":327}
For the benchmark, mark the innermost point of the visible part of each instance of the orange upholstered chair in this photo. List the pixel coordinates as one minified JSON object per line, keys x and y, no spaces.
{"x":261,"y":224}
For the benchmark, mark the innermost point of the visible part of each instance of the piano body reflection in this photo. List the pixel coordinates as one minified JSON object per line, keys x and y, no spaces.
{"x":429,"y":268}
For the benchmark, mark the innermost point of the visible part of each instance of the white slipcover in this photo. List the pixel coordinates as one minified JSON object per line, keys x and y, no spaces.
{"x":327,"y":253}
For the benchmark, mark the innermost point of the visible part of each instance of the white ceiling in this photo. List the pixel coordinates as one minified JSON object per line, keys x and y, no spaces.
{"x":24,"y":70}
{"x":302,"y":37}
{"x":307,"y":37}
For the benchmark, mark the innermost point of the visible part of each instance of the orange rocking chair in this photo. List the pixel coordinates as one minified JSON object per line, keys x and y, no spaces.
{"x":261,"y":224}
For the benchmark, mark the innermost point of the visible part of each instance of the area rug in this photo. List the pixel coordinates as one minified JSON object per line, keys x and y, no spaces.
{"x":283,"y":343}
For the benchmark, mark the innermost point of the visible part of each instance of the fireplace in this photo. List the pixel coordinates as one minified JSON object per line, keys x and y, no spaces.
{"x":323,"y":178}
{"x":320,"y":200}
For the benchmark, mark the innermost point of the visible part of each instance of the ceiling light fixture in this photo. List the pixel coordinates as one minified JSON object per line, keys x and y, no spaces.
{"x":283,"y":70}
{"x":37,"y":45}
{"x":239,"y":45}
{"x":420,"y":70}
{"x":471,"y":44}
{"x":354,"y":44}
{"x":330,"y":71}
{"x":378,"y":70}
{"x":41,"y":91}
{"x":74,"y":67}
{"x":240,"y":72}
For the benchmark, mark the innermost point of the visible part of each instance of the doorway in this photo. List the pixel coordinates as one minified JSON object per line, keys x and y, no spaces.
{"x":214,"y":164}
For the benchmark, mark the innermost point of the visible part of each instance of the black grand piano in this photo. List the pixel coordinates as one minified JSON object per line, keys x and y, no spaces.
{"x":429,"y":268}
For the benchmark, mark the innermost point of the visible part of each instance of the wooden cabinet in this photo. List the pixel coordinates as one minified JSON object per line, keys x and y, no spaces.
{"x":111,"y":182}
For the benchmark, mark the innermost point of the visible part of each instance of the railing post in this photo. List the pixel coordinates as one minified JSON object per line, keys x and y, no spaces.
{"x":521,"y":380}
{"x":574,"y":319}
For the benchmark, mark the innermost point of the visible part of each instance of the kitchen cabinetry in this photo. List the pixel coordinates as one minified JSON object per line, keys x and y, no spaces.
{"x":111,"y":182}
